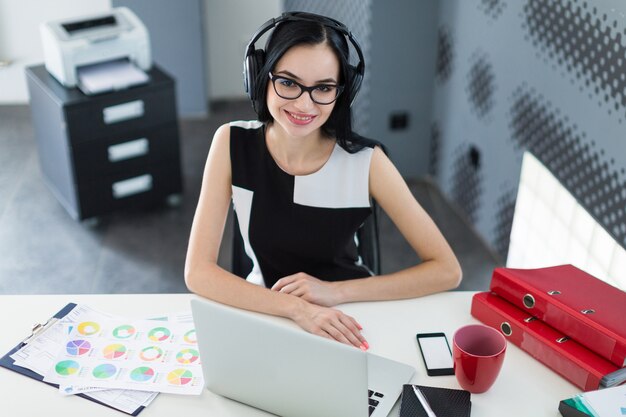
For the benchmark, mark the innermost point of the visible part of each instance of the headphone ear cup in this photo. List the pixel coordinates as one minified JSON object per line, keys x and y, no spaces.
{"x":254,"y":63}
{"x":356,"y":78}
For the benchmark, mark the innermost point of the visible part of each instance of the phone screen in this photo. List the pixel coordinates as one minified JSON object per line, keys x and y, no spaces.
{"x":436,"y":353}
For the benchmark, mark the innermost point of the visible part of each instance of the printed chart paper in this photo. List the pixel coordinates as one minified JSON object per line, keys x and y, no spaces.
{"x":40,"y":353}
{"x":140,"y":355}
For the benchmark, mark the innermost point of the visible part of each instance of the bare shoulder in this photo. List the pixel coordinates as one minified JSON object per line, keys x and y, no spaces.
{"x":379,"y":155}
{"x":218,"y":160}
{"x":386,"y":184}
{"x":219,"y":151}
{"x":221,"y":138}
{"x":381,"y":165}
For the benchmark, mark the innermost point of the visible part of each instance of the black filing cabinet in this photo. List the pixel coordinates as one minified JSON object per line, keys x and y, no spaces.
{"x":110,"y":151}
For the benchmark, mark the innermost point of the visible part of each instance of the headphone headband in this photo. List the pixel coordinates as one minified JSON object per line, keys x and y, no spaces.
{"x":308,"y":17}
{"x":254,"y":58}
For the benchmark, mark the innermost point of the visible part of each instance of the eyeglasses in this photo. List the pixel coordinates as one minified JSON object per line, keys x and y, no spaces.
{"x":289,"y":89}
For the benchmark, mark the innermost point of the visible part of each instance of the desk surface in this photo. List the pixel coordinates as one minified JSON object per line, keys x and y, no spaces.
{"x":525,"y":387}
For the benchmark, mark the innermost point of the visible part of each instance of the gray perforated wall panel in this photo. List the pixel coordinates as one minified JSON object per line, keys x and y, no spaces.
{"x":548,"y":76}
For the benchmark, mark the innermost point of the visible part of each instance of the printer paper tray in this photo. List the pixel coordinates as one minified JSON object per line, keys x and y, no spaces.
{"x":108,"y":76}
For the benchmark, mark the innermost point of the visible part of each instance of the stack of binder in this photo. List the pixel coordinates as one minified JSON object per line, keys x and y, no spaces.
{"x":567,"y":319}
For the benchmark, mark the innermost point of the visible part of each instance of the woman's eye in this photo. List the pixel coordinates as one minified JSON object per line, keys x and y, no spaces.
{"x":325,"y":88}
{"x":285,"y":82}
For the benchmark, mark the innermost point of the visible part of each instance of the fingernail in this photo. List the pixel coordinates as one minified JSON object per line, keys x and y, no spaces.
{"x":367,"y":345}
{"x":363,"y":348}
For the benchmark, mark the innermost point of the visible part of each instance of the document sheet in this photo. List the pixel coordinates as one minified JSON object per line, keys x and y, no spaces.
{"x":110,"y":76}
{"x":130,"y":354}
{"x":40,"y":352}
{"x":609,"y":402}
{"x":120,"y":362}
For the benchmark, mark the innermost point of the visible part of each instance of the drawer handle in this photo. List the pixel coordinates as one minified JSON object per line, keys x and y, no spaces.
{"x":127,"y":150}
{"x":124,"y":111}
{"x":132,"y":186}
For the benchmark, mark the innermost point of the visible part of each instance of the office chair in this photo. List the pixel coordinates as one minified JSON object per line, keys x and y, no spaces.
{"x":367,"y":236}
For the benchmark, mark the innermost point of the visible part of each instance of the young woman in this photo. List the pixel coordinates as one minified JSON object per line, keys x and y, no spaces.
{"x":301,"y":183}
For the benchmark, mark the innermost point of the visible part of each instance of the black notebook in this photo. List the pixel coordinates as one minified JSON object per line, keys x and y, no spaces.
{"x":444,"y":402}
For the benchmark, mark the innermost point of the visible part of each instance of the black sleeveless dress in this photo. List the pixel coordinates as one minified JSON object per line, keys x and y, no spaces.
{"x":305,"y":223}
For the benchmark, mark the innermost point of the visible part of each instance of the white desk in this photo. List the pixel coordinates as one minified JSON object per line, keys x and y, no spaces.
{"x":524,"y":388}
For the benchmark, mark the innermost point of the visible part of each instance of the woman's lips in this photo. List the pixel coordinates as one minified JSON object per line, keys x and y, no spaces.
{"x":299,"y":118}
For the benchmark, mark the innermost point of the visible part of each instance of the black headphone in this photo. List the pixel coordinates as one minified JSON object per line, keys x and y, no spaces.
{"x":254,"y":59}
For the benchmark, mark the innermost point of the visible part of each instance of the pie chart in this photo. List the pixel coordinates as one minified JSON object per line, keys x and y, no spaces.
{"x":151,"y":353}
{"x":124,"y":331}
{"x":190,"y":337}
{"x":68,"y":367}
{"x":88,"y":328}
{"x":179,"y":377}
{"x":77,"y":347}
{"x":114,"y":351}
{"x":187,"y":356}
{"x":142,"y":374}
{"x":106,"y":370}
{"x":159,"y":334}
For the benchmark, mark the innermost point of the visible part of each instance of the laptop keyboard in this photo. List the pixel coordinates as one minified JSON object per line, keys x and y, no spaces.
{"x":374,"y":399}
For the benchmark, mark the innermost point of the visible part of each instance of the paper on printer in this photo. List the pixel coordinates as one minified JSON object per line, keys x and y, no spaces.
{"x":98,"y":53}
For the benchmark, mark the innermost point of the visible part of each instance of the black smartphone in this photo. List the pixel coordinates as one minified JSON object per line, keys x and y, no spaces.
{"x":436,"y":353}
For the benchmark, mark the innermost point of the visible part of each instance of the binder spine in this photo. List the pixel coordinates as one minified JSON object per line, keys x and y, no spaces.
{"x":569,"y":359}
{"x":552,"y":310}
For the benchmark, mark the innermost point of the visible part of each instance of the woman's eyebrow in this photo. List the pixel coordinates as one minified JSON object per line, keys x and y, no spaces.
{"x":295,"y":77}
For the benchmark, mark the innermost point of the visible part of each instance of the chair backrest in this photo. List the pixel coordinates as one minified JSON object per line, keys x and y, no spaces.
{"x":369,"y":243}
{"x":241,"y":262}
{"x":367,"y":236}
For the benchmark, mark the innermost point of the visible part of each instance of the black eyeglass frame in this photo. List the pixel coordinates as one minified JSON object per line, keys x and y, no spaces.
{"x":304,"y":88}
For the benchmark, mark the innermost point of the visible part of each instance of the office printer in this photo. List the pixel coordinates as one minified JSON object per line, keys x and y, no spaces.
{"x":107,"y":51}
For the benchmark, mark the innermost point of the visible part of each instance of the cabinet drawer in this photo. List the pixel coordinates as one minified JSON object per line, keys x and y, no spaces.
{"x":106,"y":156}
{"x":140,"y":188}
{"x":116,"y":114}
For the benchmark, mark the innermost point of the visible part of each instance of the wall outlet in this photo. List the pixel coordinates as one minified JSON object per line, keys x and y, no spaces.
{"x":399,"y":121}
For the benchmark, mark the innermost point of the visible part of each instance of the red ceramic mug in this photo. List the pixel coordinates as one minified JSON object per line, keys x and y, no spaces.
{"x":478,"y":353}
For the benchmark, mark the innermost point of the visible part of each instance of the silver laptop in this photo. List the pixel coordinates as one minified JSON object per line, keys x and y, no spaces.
{"x":272,"y":364}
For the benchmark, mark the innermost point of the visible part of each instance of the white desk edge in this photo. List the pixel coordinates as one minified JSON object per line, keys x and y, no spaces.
{"x":525,"y":387}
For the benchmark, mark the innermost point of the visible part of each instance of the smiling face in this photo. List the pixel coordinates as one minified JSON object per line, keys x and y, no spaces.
{"x":309,"y":65}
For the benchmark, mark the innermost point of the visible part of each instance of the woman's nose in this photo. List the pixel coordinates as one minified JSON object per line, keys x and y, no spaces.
{"x":305,"y":101}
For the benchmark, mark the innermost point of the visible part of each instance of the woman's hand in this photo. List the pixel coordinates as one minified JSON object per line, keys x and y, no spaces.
{"x":331,"y":324}
{"x":308,"y":288}
{"x":315,"y":316}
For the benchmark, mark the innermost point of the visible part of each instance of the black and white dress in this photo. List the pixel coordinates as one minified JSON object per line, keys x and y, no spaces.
{"x":301,"y":223}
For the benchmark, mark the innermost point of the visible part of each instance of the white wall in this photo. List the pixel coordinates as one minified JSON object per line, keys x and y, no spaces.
{"x":229,"y":26}
{"x":20,"y":42}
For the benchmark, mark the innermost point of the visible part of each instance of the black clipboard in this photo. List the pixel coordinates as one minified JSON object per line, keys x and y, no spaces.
{"x":7,"y":362}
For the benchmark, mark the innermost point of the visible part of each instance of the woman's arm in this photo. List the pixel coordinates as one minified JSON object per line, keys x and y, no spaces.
{"x":204,"y":277}
{"x":438,"y":271}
